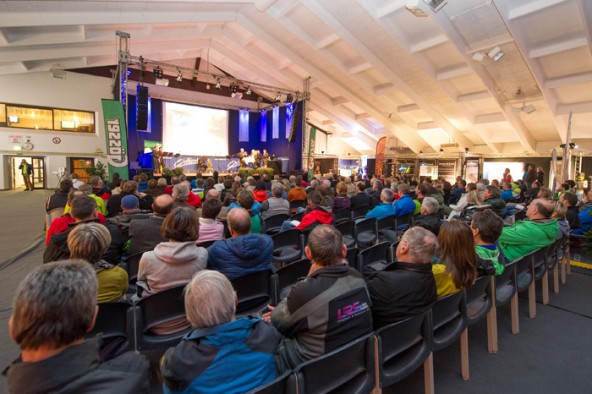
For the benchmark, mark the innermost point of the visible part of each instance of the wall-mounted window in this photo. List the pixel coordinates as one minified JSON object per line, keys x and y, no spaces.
{"x":39,"y":118}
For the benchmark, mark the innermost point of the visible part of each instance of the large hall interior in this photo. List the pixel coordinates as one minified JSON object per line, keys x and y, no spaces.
{"x":397,"y":90}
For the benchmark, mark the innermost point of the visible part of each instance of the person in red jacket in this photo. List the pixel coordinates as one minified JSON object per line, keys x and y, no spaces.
{"x":260,"y":192}
{"x":316,"y":213}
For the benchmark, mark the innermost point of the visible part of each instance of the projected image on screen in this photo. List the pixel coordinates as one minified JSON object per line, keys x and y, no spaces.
{"x":195,"y":131}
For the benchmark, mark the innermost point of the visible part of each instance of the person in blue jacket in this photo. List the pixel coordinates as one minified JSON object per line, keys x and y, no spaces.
{"x":222,"y":354}
{"x":385,"y":208}
{"x":404,"y":205}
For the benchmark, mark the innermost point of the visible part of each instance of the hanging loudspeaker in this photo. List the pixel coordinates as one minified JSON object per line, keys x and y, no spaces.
{"x":294,"y":126}
{"x":141,"y":107}
{"x":142,"y":95}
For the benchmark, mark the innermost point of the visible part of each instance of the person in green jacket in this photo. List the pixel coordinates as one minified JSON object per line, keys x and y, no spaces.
{"x":529,"y":235}
{"x":487,"y":228}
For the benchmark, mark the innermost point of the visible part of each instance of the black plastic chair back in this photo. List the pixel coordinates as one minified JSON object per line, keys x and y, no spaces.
{"x":479,"y":300}
{"x":165,"y":306}
{"x":449,"y":316}
{"x":347,"y":231}
{"x":253,"y":292}
{"x":404,"y":220}
{"x":297,"y":204}
{"x":340,"y":214}
{"x":505,"y":284}
{"x":374,"y":258}
{"x":226,"y":229}
{"x":366,"y":232}
{"x":352,"y":257}
{"x":272,"y":224}
{"x":206,"y":244}
{"x":288,"y":246}
{"x":403,"y":347}
{"x":133,"y":264}
{"x":385,"y":223}
{"x":297,"y":216}
{"x":359,"y":212}
{"x":349,"y":369}
{"x":285,"y":277}
{"x":284,"y":384}
{"x":555,"y":254}
{"x":539,"y":261}
{"x":524,"y":272}
{"x":115,"y":321}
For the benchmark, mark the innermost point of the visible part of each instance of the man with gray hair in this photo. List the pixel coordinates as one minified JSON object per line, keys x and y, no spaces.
{"x":55,"y":306}
{"x":375,"y":197}
{"x":406,"y":287}
{"x":386,"y":208}
{"x":429,"y":218}
{"x":180,"y":195}
{"x":327,"y":309}
{"x":275,"y":205}
{"x":244,"y":347}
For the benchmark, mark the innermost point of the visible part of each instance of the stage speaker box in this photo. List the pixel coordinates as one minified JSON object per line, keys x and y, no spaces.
{"x":371,"y":167}
{"x":294,"y":126}
{"x":141,"y":107}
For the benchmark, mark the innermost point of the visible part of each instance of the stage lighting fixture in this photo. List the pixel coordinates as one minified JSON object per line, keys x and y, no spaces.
{"x":233,"y":88}
{"x":289,"y":98}
{"x":157,"y":71}
{"x":179,"y":76}
{"x":248,"y":92}
{"x":496,"y":54}
{"x":218,"y":85}
{"x":278,"y":97}
{"x":417,"y":7}
{"x":208,"y":86}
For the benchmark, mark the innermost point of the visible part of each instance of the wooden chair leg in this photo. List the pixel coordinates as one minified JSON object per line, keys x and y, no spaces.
{"x":556,"y":279}
{"x":492,"y":330}
{"x":377,"y":388}
{"x":546,"y":288}
{"x":464,"y":354}
{"x":563,"y":269}
{"x":568,"y":260}
{"x":492,"y":322}
{"x":514,"y":313}
{"x":532,"y":300}
{"x":428,"y":374}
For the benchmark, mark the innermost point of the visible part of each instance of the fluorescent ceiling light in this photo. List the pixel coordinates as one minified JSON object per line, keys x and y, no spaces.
{"x":417,"y":7}
{"x":496,"y":53}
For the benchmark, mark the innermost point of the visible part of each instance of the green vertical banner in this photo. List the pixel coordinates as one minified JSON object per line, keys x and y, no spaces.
{"x":116,"y":135}
{"x":312,"y":136}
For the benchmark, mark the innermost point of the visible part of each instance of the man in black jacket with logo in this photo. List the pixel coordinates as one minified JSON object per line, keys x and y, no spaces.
{"x":406,"y":287}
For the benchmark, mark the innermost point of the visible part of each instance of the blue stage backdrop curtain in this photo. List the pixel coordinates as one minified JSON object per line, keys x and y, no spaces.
{"x":263,"y":126}
{"x":257,"y":138}
{"x":243,"y":125}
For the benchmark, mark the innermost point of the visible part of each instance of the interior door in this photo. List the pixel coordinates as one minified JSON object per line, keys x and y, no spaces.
{"x":38,"y":173}
{"x":78,"y":166}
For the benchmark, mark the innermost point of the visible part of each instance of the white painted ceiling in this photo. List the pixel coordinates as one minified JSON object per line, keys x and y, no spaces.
{"x":375,"y":69}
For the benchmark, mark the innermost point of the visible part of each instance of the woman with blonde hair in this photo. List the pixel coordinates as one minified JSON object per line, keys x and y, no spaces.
{"x":456,"y":268}
{"x":89,"y":241}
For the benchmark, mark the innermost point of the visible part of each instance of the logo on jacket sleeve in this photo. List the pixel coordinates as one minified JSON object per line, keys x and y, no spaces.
{"x":350,"y":311}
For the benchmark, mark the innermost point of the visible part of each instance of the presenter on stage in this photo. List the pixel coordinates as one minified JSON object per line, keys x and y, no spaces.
{"x":158,"y":159}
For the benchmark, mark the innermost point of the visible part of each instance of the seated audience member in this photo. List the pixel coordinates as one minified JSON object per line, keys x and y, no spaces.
{"x":386,"y":207}
{"x":545,"y":193}
{"x":130,"y":188}
{"x":209,"y":228}
{"x":275,"y":205}
{"x":586,"y":202}
{"x":297,"y":193}
{"x":585,"y":217}
{"x":327,"y":195}
{"x":260,"y":191}
{"x":60,"y":198}
{"x":130,"y":209}
{"x":162,"y":185}
{"x":571,"y":201}
{"x":87,"y":190}
{"x":375,"y":194}
{"x":174,"y":262}
{"x":61,"y":224}
{"x":351,"y":187}
{"x":559,"y":212}
{"x":316,"y":212}
{"x":244,"y":348}
{"x":404,"y":205}
{"x":76,"y":183}
{"x":89,"y":241}
{"x":115,"y":181}
{"x":506,"y":193}
{"x":491,"y":197}
{"x":457,"y":266}
{"x":487,"y":227}
{"x":169,"y":189}
{"x":244,"y":253}
{"x":317,"y":317}
{"x":458,"y":190}
{"x":341,"y":200}
{"x":246,"y":200}
{"x":144,"y":233}
{"x":430,"y":217}
{"x":153,"y":190}
{"x":55,"y":306}
{"x":406,"y":287}
{"x":142,"y":182}
{"x":360,"y":199}
{"x":98,"y":188}
{"x":463,"y":201}
{"x":84,"y":209}
{"x":180,"y":195}
{"x":193,"y":199}
{"x":527,"y":236}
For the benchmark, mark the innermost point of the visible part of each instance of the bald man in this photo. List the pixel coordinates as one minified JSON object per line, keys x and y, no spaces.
{"x":144,"y":232}
{"x":529,"y":235}
{"x":244,"y":253}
